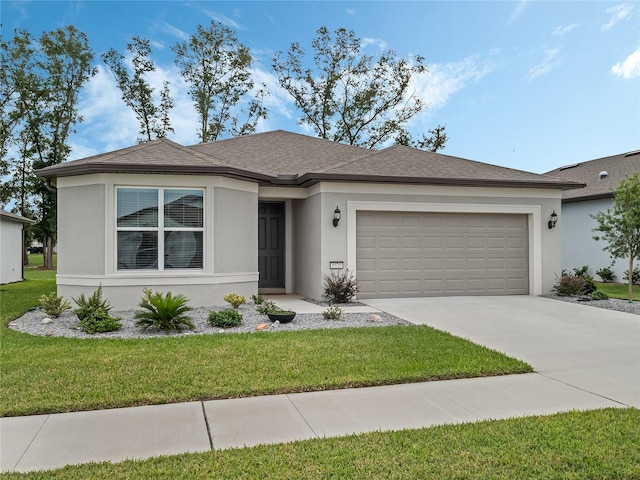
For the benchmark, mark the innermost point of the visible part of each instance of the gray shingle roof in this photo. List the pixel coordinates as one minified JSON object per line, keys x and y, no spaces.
{"x":15,"y":218}
{"x":284,"y":158}
{"x":616,"y":166}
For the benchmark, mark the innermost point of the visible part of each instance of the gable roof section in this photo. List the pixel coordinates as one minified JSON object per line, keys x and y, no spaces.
{"x":291,"y":159}
{"x":156,"y":156}
{"x":15,"y":218}
{"x":417,"y":166}
{"x":616,"y":166}
{"x":280,"y":153}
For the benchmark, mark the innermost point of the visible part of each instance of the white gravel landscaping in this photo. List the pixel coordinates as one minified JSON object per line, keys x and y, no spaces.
{"x":610,"y":304}
{"x":67,"y":324}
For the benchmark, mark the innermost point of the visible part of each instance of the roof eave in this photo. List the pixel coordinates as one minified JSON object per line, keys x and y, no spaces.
{"x":70,"y":170}
{"x":595,"y":196}
{"x":309,"y":179}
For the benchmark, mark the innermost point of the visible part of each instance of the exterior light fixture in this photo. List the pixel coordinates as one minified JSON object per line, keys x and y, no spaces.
{"x":553,"y":219}
{"x":336,"y":216}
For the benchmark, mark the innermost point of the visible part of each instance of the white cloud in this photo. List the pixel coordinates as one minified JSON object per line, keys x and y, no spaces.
{"x":381,"y":44}
{"x":223,"y":19}
{"x":563,"y":30}
{"x":617,"y":14}
{"x":630,"y":68}
{"x":443,"y":80}
{"x":351,"y":11}
{"x":174,"y":32}
{"x":549,"y":63}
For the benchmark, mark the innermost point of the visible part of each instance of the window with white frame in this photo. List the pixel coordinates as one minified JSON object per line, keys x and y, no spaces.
{"x":153,"y":238}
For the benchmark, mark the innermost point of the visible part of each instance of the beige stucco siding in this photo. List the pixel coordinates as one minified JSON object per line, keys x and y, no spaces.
{"x":307,"y":246}
{"x":81,"y":230}
{"x":87,"y":240}
{"x":235,"y":232}
{"x":338,"y":243}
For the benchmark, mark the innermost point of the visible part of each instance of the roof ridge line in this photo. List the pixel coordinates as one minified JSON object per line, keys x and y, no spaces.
{"x":347,"y":162}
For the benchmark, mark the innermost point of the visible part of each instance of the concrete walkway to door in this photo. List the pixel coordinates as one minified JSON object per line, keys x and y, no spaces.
{"x":593,"y":349}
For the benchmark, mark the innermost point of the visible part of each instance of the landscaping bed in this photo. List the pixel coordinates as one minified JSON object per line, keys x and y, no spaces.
{"x":67,"y":325}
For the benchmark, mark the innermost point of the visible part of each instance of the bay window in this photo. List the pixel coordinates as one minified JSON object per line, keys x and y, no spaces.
{"x":154,"y":238}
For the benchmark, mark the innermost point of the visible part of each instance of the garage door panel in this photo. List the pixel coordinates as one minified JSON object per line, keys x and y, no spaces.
{"x":429,"y":254}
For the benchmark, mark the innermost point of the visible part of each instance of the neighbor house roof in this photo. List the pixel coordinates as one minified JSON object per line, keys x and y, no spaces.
{"x":15,"y":218}
{"x":602,"y":176}
{"x":290,"y":159}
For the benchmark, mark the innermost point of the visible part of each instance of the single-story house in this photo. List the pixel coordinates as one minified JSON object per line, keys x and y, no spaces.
{"x":277,"y":211}
{"x":602,"y":177}
{"x":12,"y":246}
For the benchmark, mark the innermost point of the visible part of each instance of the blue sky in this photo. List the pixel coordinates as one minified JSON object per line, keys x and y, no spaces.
{"x":531,"y":85}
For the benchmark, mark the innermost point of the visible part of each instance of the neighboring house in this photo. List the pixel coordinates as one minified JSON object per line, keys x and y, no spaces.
{"x":602,"y":177}
{"x":256,"y":213}
{"x":11,"y":246}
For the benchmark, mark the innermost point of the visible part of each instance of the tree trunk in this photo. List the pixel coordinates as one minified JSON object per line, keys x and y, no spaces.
{"x":47,"y":251}
{"x":25,"y":250}
{"x":630,"y":277}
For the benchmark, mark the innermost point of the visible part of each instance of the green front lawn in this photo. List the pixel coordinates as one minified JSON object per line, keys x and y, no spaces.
{"x":45,"y":374}
{"x":619,"y":290}
{"x":600,"y":444}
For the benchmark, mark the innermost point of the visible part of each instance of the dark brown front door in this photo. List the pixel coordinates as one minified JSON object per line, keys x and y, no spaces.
{"x":271,"y":244}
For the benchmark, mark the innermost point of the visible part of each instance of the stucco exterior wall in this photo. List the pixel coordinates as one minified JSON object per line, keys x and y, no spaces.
{"x":87,"y":249}
{"x":307,"y":246}
{"x":338,"y":243}
{"x":578,"y":246}
{"x":10,"y":251}
{"x":235,"y":232}
{"x":81,"y":230}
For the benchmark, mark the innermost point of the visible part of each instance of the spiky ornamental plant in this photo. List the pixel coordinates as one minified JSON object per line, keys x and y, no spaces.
{"x":166,"y":312}
{"x":620,"y":226}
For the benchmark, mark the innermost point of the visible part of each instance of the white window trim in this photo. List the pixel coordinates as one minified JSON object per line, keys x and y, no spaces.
{"x":160,"y":229}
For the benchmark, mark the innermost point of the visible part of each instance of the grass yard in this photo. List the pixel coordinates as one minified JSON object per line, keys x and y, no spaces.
{"x":599,"y":444}
{"x":619,"y":290}
{"x":47,"y":375}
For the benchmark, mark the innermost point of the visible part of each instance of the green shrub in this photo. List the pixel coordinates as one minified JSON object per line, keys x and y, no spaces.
{"x":332,"y":313}
{"x":267,"y":307}
{"x":340,"y":287}
{"x":257,"y":299}
{"x":99,"y":321}
{"x":606,"y":274}
{"x":569,"y":284}
{"x":88,"y":306}
{"x":599,"y":295}
{"x":636,"y":275}
{"x":225,"y":318}
{"x":589,"y":286}
{"x":164,"y":312}
{"x":581,"y":272}
{"x":234,"y":299}
{"x":54,"y":305}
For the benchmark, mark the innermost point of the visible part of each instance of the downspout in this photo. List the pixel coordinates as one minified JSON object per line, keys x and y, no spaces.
{"x":50,"y":187}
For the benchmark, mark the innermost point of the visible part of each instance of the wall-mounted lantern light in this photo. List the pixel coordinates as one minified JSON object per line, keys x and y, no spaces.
{"x":336,"y":216}
{"x":553,"y":219}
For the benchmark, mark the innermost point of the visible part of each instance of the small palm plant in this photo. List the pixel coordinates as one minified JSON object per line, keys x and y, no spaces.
{"x":166,"y":312}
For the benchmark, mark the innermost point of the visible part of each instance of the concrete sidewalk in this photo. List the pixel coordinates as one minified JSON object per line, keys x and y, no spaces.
{"x":576,"y":352}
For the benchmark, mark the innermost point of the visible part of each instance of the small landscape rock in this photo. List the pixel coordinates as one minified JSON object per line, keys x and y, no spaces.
{"x":375,"y":318}
{"x":46,"y":321}
{"x":262,"y":326}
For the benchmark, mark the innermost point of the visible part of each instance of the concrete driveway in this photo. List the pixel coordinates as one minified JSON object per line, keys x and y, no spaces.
{"x":590,"y":348}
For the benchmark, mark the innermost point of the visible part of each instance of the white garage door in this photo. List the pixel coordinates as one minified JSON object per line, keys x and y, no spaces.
{"x":407,"y":254}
